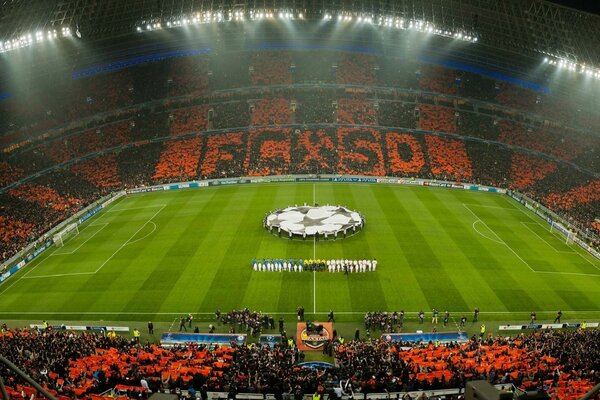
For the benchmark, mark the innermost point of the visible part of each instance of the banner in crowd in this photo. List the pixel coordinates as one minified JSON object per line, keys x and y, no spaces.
{"x":426,"y":337}
{"x":312,"y":336}
{"x":173,"y":339}
{"x":83,"y":328}
{"x":545,"y":326}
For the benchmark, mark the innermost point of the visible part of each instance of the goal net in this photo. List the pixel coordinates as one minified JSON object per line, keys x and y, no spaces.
{"x":61,"y":237}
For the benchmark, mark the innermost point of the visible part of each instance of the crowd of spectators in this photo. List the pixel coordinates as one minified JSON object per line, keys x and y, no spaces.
{"x":271,"y":68}
{"x":356,"y":69}
{"x":527,"y":170}
{"x":438,"y":79}
{"x":189,"y":120}
{"x":44,"y":196}
{"x":477,"y":125}
{"x":9,"y":174}
{"x":271,"y":111}
{"x":359,"y":152}
{"x":356,"y":110}
{"x":188,"y":75}
{"x":280,"y":151}
{"x":229,"y":71}
{"x":94,"y":95}
{"x":178,"y":161}
{"x":315,"y":152}
{"x":386,"y":322}
{"x":271,"y":150}
{"x":557,"y":362}
{"x":436,"y":118}
{"x":69,"y":365}
{"x":247,"y":320}
{"x":306,"y":70}
{"x":224,"y":156}
{"x":405,"y":153}
{"x":101,"y":171}
{"x":13,"y":233}
{"x":231,"y":114}
{"x":548,"y":141}
{"x":196,"y":75}
{"x":315,"y":106}
{"x":397,"y":114}
{"x":575,"y":197}
{"x":448,"y":158}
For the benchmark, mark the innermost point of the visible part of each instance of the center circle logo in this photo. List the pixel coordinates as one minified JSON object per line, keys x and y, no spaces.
{"x":310,"y":221}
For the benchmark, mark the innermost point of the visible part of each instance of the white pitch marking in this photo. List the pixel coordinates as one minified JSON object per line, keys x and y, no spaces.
{"x":135,"y":208}
{"x":555,"y":234}
{"x":58,"y":275}
{"x":486,"y":206}
{"x":78,"y":247}
{"x":477,"y":230}
{"x":314,"y":256}
{"x":544,"y":240}
{"x":566,"y":273}
{"x":148,"y":234}
{"x":131,"y":237}
{"x":499,"y":238}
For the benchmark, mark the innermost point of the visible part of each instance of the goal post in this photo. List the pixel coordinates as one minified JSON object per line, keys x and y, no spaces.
{"x":61,"y":237}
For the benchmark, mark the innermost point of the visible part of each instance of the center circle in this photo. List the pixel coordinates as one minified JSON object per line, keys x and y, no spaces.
{"x":314,"y":221}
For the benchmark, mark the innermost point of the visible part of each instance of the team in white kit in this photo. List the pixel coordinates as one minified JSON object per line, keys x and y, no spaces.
{"x":336,"y":265}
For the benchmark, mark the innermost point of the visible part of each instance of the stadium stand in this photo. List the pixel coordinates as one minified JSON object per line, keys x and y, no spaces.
{"x":271,"y":68}
{"x":540,"y":174}
{"x":269,"y":152}
{"x":179,"y":161}
{"x":449,"y":159}
{"x":271,"y":111}
{"x":71,"y":365}
{"x":307,"y":71}
{"x":241,"y":96}
{"x":188,"y":75}
{"x":437,"y":119}
{"x":438,"y":79}
{"x":356,"y":69}
{"x":356,"y":110}
{"x":224,"y":156}
{"x":406,"y":154}
{"x":101,"y":171}
{"x":189,"y":120}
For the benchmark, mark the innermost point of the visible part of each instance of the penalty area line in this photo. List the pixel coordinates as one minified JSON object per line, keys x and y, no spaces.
{"x":131,"y":237}
{"x":500,"y":240}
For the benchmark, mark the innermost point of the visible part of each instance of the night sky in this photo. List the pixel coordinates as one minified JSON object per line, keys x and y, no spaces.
{"x":591,"y":6}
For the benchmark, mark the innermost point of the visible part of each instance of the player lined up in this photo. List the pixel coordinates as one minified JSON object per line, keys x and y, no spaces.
{"x":337,"y":265}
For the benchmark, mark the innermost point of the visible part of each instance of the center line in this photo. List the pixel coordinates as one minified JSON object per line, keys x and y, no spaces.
{"x":314,"y":257}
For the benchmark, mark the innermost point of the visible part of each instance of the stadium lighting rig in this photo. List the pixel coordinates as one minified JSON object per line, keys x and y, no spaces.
{"x":392,"y":22}
{"x":573,"y":66}
{"x":31,"y":39}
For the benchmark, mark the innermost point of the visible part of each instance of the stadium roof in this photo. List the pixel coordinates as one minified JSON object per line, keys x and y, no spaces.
{"x":525,"y":26}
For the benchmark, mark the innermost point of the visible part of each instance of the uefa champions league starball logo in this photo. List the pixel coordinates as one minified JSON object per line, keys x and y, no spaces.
{"x":305,"y":221}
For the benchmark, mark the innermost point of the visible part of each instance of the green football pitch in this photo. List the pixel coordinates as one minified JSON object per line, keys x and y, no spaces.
{"x":156,"y":256}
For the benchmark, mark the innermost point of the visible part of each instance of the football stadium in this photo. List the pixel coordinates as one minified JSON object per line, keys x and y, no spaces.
{"x":299,"y":199}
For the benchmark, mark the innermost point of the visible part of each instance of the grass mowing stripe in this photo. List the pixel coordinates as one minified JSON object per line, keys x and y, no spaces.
{"x":364,"y":288}
{"x":482,"y":255}
{"x":433,"y":280}
{"x":75,"y":293}
{"x":229,"y":284}
{"x":108,"y":284}
{"x":295,"y":289}
{"x":428,"y":224}
{"x":170,"y":260}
